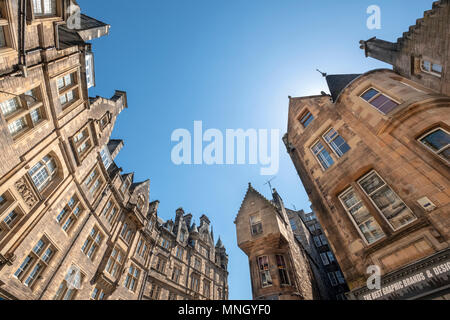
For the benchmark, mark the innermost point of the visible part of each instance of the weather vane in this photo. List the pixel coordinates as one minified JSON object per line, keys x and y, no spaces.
{"x":322,"y":73}
{"x":269,"y":182}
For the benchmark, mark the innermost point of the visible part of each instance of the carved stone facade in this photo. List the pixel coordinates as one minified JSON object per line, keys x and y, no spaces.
{"x":374,"y":159}
{"x":72,"y":225}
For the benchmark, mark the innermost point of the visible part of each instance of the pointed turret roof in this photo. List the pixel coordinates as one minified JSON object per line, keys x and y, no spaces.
{"x":219,"y":243}
{"x":338,"y":82}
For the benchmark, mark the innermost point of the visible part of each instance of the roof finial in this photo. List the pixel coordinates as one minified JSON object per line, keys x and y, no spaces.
{"x":322,"y":73}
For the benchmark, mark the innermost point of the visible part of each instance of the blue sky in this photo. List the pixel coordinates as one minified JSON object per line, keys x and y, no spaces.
{"x":231,"y":64}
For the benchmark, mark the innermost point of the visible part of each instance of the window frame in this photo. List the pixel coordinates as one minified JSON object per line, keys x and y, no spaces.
{"x":69,"y":213}
{"x":431,"y":71}
{"x":282,"y":269}
{"x":319,"y":141}
{"x":331,"y":146}
{"x":37,"y":259}
{"x":24,"y":111}
{"x":132,"y":279}
{"x":63,"y":288}
{"x":51,"y":174}
{"x":436,"y":153}
{"x":380,"y":92}
{"x":264,"y":271}
{"x":44,"y":15}
{"x":375,"y":205}
{"x":73,"y":87}
{"x":91,"y":245}
{"x":115,"y":262}
{"x":77,"y":143}
{"x":304,"y":119}
{"x":260,"y":229}
{"x":352,"y":219}
{"x":98,"y":177}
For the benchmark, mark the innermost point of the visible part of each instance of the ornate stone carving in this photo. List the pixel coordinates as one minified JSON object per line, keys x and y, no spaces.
{"x":26,"y":192}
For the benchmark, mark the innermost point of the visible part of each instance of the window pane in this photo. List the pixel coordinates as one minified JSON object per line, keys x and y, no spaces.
{"x":437,"y":140}
{"x":9,"y":106}
{"x":17,"y":126}
{"x":371,"y":183}
{"x":388,"y":106}
{"x":426,"y":65}
{"x":369,"y":94}
{"x":366,"y":223}
{"x":36,"y":116}
{"x":392,"y":207}
{"x":446,"y":154}
{"x":2,"y":38}
{"x":436,"y":68}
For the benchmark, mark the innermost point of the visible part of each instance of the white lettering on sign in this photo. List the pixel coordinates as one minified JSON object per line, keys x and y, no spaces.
{"x":408,"y":282}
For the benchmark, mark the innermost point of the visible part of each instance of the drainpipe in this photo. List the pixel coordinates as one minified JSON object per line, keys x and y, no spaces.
{"x":22,"y":33}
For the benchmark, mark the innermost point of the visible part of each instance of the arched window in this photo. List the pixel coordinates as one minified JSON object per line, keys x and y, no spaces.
{"x":43,"y":172}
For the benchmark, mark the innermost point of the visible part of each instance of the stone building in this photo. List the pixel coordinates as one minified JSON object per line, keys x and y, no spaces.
{"x":186,"y":264}
{"x":72,"y":226}
{"x":374,"y":159}
{"x":279,"y":266}
{"x":327,"y":273}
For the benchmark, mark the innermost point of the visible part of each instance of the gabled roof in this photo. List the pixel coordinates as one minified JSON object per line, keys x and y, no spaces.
{"x":114,"y":147}
{"x":338,"y":82}
{"x":251,"y":190}
{"x":137,"y":185}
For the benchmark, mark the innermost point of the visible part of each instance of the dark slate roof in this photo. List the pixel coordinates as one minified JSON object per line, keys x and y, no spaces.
{"x":113,"y":144}
{"x":338,"y":82}
{"x":68,"y":38}
{"x":90,"y":23}
{"x":74,"y":37}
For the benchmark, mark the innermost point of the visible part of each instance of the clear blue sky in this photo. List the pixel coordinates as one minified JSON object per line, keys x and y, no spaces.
{"x":231,"y":64}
